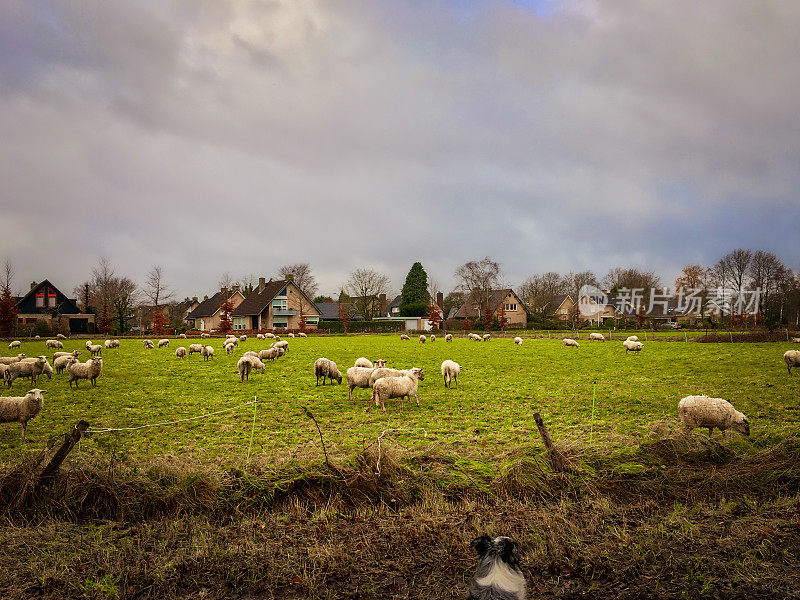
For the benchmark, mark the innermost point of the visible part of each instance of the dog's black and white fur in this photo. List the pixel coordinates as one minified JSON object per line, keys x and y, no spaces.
{"x":498,"y":576}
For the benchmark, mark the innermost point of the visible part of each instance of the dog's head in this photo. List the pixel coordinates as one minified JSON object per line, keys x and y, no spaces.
{"x":501,"y":546}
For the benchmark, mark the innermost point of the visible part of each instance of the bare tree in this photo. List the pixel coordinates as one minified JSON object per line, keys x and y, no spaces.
{"x":364,"y":286}
{"x":730,"y":273}
{"x":767,"y":273}
{"x":631,"y":279}
{"x":477,"y":279}
{"x":8,"y":308}
{"x":303,"y":277}
{"x":539,"y":292}
{"x":124,"y":298}
{"x":155,"y":290}
{"x":103,"y":283}
{"x":225,"y":281}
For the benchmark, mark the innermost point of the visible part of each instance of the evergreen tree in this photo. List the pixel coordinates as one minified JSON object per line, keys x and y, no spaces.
{"x":415,"y":293}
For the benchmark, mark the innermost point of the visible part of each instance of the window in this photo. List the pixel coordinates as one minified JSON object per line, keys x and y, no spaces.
{"x":280,"y":304}
{"x":511,"y":307}
{"x":280,"y":323}
{"x":51,"y":301}
{"x":40,"y":299}
{"x":564,"y":311}
{"x":312,"y":320}
{"x":239,"y":323}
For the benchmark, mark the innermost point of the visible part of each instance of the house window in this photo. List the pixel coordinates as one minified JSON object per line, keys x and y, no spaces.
{"x":40,"y":299}
{"x":564,"y":311}
{"x":312,"y":320}
{"x":280,"y":304}
{"x":51,"y":301}
{"x":511,"y":307}
{"x":280,"y":323}
{"x":239,"y":322}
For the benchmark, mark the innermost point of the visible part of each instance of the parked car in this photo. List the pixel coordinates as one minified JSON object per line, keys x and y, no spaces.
{"x":670,"y":325}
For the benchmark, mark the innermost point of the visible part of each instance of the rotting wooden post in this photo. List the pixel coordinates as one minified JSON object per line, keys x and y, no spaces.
{"x":70,"y":440}
{"x":556,"y":460}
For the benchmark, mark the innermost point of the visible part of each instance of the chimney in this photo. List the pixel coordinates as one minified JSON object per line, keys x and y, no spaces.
{"x":235,"y":289}
{"x":440,"y":300}
{"x":290,"y":277}
{"x":205,"y":298}
{"x":262,"y":281}
{"x":225,"y":292}
{"x":194,"y":299}
{"x":33,"y":284}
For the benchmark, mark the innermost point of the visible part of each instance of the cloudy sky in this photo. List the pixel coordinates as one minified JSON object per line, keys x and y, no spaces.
{"x":242,"y":135}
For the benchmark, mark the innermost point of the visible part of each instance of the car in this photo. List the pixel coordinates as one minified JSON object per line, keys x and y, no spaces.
{"x":135,"y":329}
{"x":670,"y":325}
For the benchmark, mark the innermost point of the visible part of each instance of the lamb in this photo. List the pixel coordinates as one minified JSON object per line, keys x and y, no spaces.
{"x":207,"y":352}
{"x":205,"y":336}
{"x":229,"y":348}
{"x":180,"y":352}
{"x":108,"y":344}
{"x":62,"y":362}
{"x":195,"y":348}
{"x":17,"y":344}
{"x":7,"y":360}
{"x":357,"y":377}
{"x":632,"y":338}
{"x":401,"y":387}
{"x":301,"y":334}
{"x":450,"y":371}
{"x":498,"y":576}
{"x":448,"y":337}
{"x":364,"y":362}
{"x":270,"y":354}
{"x":632,"y":346}
{"x":326,"y":368}
{"x":597,"y":336}
{"x":792,"y":359}
{"x":24,"y":368}
{"x":487,"y":337}
{"x":570,"y":342}
{"x":96,"y":349}
{"x":422,"y":339}
{"x":518,"y":341}
{"x":702,"y":411}
{"x":148,"y":344}
{"x":404,"y":337}
{"x":46,"y":370}
{"x":163,"y":343}
{"x":89,"y":370}
{"x":22,"y":409}
{"x":88,"y":344}
{"x":51,"y":344}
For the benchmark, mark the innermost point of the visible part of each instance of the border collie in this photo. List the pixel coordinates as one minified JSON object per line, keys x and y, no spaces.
{"x":498,"y":576}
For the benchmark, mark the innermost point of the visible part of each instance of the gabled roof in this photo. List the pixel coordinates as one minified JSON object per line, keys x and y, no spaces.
{"x":496,"y":298}
{"x":559,"y":300}
{"x":208,"y":308}
{"x":256,"y":303}
{"x":329,"y":311}
{"x":73,"y":302}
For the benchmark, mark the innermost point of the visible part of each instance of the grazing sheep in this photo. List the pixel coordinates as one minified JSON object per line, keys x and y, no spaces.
{"x":377,"y":373}
{"x":597,"y":336}
{"x":74,"y":353}
{"x":702,"y":411}
{"x":474,"y":337}
{"x":89,"y":370}
{"x":207,"y":352}
{"x":205,"y":336}
{"x":631,"y":346}
{"x":792,"y":359}
{"x":108,"y":344}
{"x":180,"y":352}
{"x":326,"y":368}
{"x":404,"y":337}
{"x":244,"y":366}
{"x":291,"y":335}
{"x":570,"y":342}
{"x":182,"y":336}
{"x":487,"y":337}
{"x":498,"y":576}
{"x":26,"y":368}
{"x":270,"y":354}
{"x":243,"y":338}
{"x":401,"y":387}
{"x":270,"y":336}
{"x":61,"y":336}
{"x":518,"y":341}
{"x":148,"y":344}
{"x":301,"y":334}
{"x":21,"y":409}
{"x":796,"y":340}
{"x":52,"y":344}
{"x":281,"y":344}
{"x":163,"y":343}
{"x":260,"y":336}
{"x":96,"y":349}
{"x":632,"y":338}
{"x":17,"y":344}
{"x":433,"y":338}
{"x":195,"y":348}
{"x":231,"y":340}
{"x":357,"y":377}
{"x":364,"y":362}
{"x":422,"y":339}
{"x":46,"y":369}
{"x":7,"y":360}
{"x":280,"y":350}
{"x":277,"y":338}
{"x":229,"y":348}
{"x":88,"y":344}
{"x":62,"y":362}
{"x":450,"y":371}
{"x":448,"y":337}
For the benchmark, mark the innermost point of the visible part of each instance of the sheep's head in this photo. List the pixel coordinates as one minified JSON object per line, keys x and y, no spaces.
{"x":97,"y":361}
{"x":741,"y":424}
{"x":36,"y":394}
{"x":380,"y":363}
{"x":21,"y":356}
{"x":417,"y":373}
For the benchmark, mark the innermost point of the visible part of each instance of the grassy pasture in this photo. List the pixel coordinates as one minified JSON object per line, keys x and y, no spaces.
{"x":489,"y":411}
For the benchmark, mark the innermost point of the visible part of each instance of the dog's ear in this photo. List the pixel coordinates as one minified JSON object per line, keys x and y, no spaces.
{"x":481,"y":545}
{"x":509,"y":551}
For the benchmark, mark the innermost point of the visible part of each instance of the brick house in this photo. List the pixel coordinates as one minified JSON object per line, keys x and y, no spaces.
{"x":207,"y":315}
{"x":501,"y":302}
{"x":275,"y":305}
{"x":44,"y":302}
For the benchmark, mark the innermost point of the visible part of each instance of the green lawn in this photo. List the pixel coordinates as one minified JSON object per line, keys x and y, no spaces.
{"x":491,"y":408}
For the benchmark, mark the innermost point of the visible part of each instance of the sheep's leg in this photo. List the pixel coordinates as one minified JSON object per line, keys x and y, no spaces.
{"x":24,"y":429}
{"x":415,"y":398}
{"x":445,"y":380}
{"x":349,"y":392}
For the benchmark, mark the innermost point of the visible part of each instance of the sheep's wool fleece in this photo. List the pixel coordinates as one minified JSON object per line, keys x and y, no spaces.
{"x":703,"y":411}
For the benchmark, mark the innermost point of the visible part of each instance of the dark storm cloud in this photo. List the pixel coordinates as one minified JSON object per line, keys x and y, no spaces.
{"x":238,"y":136}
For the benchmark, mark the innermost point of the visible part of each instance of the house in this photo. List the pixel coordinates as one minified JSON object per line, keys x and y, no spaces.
{"x":564,"y":307}
{"x":330,"y":311}
{"x":207,"y":315}
{"x":44,"y":302}
{"x":276,"y":305}
{"x":174,"y":312}
{"x":392,"y":313}
{"x":501,"y":303}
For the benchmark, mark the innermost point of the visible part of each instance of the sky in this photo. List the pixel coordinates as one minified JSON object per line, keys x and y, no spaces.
{"x":237,"y":136}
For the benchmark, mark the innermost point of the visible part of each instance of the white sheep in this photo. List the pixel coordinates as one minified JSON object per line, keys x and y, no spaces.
{"x":280,"y":350}
{"x":7,"y":360}
{"x":474,"y":337}
{"x":433,"y":338}
{"x":270,"y":336}
{"x":96,"y":349}
{"x":180,"y":352}
{"x":792,"y":359}
{"x":422,"y":339}
{"x":46,"y":369}
{"x":244,"y":366}
{"x":702,"y":411}
{"x":518,"y":341}
{"x":108,"y":344}
{"x":401,"y":387}
{"x":61,"y":336}
{"x":450,"y":371}
{"x":163,"y":343}
{"x":326,"y":368}
{"x":378,"y":373}
{"x":229,"y":348}
{"x":243,"y":338}
{"x":487,"y":337}
{"x":270,"y":354}
{"x":21,"y":409}
{"x":195,"y":348}
{"x":448,"y":337}
{"x":570,"y":342}
{"x":207,"y":352}
{"x":231,"y":340}
{"x":62,"y":362}
{"x":632,"y":346}
{"x":632,"y":338}
{"x":17,"y":344}
{"x":88,"y":344}
{"x":597,"y":336}
{"x":26,"y":368}
{"x":259,"y":336}
{"x":281,"y":344}
{"x":205,"y":336}
{"x":182,"y":336}
{"x":404,"y":337}
{"x":148,"y":344}
{"x":52,"y":344}
{"x":301,"y":334}
{"x":357,"y":377}
{"x":89,"y":370}
{"x":74,"y":353}
{"x":364,"y":362}
{"x":290,"y":334}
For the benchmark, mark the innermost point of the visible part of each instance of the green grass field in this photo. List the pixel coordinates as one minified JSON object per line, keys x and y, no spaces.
{"x":491,"y":408}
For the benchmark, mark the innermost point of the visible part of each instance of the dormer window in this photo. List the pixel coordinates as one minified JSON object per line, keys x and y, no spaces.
{"x":46,"y":297}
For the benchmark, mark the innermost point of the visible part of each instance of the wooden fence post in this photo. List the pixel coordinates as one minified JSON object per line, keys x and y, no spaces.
{"x":70,"y":440}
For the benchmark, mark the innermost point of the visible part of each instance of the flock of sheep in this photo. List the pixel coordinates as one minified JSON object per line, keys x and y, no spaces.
{"x":385,"y":383}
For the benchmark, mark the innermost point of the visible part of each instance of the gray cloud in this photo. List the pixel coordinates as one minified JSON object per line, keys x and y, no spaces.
{"x":243,"y":135}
